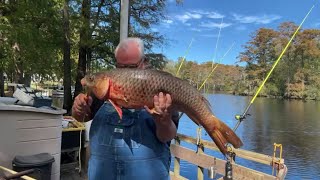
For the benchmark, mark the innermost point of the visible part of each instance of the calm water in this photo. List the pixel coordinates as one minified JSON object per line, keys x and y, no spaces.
{"x":292,"y":123}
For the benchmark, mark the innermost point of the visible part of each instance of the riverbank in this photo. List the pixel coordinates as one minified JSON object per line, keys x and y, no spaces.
{"x":267,"y":96}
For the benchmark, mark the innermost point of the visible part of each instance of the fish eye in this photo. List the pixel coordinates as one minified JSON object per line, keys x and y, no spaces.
{"x":91,"y":78}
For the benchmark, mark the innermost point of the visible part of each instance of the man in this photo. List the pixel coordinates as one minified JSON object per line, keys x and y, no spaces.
{"x":137,"y":147}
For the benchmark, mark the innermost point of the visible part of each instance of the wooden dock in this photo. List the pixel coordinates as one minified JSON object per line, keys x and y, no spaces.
{"x":205,"y":161}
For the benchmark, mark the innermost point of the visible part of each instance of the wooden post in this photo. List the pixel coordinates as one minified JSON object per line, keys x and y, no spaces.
{"x":1,"y":83}
{"x":176,"y":167}
{"x":124,"y":19}
{"x":200,"y":150}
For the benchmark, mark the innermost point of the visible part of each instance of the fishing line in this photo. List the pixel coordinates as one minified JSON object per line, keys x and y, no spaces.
{"x":213,"y":69}
{"x":240,"y":118}
{"x":184,"y":57}
{"x":215,"y":51}
{"x":211,"y":73}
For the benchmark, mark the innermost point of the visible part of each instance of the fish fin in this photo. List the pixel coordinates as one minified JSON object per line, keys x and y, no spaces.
{"x":118,"y":109}
{"x":220,"y":141}
{"x":230,"y":135}
{"x":164,"y":73}
{"x":222,"y":135}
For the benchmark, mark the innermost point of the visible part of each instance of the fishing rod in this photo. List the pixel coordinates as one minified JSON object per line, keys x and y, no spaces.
{"x":177,"y":73}
{"x":213,"y":69}
{"x":211,"y":73}
{"x":215,"y":51}
{"x":240,"y":118}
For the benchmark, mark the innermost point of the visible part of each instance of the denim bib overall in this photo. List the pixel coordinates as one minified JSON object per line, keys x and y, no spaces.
{"x":126,"y":149}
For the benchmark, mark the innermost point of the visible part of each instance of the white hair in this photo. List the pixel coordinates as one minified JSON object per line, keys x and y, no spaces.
{"x":124,"y":44}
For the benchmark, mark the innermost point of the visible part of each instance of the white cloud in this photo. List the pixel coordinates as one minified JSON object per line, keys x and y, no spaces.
{"x":209,"y":14}
{"x":214,"y":15}
{"x":194,"y":16}
{"x":167,"y":21}
{"x":183,"y":18}
{"x":214,"y":25}
{"x":265,"y":19}
{"x":187,"y":16}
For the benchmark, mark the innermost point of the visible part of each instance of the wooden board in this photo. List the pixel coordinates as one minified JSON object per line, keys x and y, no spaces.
{"x":206,"y":161}
{"x":249,"y":155}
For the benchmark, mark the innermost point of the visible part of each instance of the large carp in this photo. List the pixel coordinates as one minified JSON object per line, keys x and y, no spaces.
{"x":135,"y":88}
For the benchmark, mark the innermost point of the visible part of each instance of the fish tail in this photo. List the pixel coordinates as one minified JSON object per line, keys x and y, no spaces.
{"x":222,"y":135}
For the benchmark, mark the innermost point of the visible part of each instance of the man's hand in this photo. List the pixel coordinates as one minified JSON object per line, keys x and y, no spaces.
{"x":162,"y":108}
{"x":81,"y":106}
{"x":162,"y":112}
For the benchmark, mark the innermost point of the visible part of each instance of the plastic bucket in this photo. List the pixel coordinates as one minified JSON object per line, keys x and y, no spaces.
{"x":41,"y":163}
{"x":57,"y":99}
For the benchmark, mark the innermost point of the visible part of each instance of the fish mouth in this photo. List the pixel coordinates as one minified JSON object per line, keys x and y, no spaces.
{"x":85,"y":86}
{"x":87,"y":90}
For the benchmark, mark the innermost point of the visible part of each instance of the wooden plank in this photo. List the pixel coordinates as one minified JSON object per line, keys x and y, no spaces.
{"x":176,"y":177}
{"x":38,"y":123}
{"x":249,"y":155}
{"x":28,"y":109}
{"x":206,"y":161}
{"x":52,"y":146}
{"x":24,"y":135}
{"x":14,"y":172}
{"x":25,"y":115}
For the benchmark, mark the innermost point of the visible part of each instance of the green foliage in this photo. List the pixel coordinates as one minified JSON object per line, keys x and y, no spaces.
{"x":32,"y":38}
{"x":31,"y":35}
{"x":312,"y":93}
{"x":296,"y":74}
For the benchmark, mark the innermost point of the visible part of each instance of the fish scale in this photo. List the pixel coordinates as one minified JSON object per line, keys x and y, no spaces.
{"x":134,"y":88}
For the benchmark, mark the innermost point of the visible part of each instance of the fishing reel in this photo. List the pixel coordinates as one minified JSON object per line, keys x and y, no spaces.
{"x":241,"y":117}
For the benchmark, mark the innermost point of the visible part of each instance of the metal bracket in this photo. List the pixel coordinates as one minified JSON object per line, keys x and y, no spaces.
{"x":277,"y":164}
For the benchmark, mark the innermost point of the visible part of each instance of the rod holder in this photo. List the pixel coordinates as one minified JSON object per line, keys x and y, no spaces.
{"x":212,"y":172}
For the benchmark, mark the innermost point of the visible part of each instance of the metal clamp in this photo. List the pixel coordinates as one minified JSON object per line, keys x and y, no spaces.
{"x":278,"y":164}
{"x":212,"y":170}
{"x":198,"y":143}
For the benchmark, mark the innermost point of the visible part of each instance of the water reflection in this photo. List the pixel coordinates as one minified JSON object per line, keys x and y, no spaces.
{"x":292,"y":123}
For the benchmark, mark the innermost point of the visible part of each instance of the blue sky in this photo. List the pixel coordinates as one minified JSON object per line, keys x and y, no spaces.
{"x":200,"y":20}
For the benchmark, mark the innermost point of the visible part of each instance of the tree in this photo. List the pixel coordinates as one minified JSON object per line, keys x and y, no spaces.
{"x":66,"y":58}
{"x":33,"y":37}
{"x":99,"y":31}
{"x":295,"y":75}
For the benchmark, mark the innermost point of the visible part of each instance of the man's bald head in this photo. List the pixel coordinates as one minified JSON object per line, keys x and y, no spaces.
{"x":129,"y":51}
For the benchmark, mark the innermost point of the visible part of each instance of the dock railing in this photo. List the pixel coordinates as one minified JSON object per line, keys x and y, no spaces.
{"x":204,"y":161}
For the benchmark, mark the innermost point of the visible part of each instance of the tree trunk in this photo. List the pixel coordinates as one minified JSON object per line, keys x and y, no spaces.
{"x":27,"y":79}
{"x":1,"y":83}
{"x":67,"y":103}
{"x":83,"y":45}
